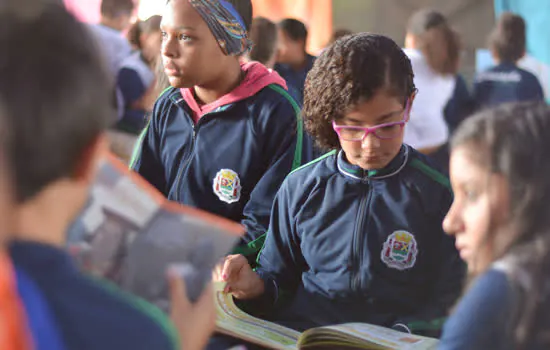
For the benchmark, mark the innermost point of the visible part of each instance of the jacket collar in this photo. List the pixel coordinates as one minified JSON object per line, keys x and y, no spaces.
{"x":358,"y":173}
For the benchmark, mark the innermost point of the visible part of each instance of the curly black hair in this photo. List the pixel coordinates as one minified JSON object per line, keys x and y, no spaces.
{"x":354,"y":68}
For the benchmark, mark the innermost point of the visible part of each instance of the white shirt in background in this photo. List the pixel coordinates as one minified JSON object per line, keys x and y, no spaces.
{"x":427,"y":127}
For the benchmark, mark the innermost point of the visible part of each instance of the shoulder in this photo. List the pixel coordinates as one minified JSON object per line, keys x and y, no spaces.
{"x":136,"y":323}
{"x":168,"y":97}
{"x":481,"y":317}
{"x":314,"y":172}
{"x":274,"y":96}
{"x":274,"y":106}
{"x":425,"y":172}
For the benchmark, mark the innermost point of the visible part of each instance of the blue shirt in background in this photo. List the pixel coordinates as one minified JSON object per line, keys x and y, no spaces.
{"x":296,"y":79}
{"x":503,"y":83}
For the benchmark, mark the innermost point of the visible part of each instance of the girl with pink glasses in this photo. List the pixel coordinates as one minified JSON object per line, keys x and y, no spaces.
{"x":356,"y":235}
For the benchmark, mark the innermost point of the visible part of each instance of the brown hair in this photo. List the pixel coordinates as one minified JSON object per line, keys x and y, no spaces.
{"x":115,"y":8}
{"x":512,"y":140}
{"x":264,"y":35}
{"x":353,"y":69}
{"x":507,"y":40}
{"x":437,"y":41}
{"x":150,"y":25}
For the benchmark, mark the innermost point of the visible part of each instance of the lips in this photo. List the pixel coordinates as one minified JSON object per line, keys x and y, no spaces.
{"x":171,"y":70}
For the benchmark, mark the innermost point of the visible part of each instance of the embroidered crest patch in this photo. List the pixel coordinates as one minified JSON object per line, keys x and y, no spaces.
{"x":399,"y":250}
{"x":227,"y":186}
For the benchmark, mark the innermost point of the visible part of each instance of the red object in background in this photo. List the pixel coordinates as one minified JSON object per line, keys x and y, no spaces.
{"x":84,"y":10}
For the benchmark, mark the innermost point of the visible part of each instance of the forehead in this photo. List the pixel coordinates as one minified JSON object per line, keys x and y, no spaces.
{"x":463,"y":167}
{"x":180,"y":14}
{"x":379,"y":105}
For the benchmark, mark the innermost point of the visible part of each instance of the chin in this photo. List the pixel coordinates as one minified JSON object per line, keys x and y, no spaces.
{"x":180,"y":83}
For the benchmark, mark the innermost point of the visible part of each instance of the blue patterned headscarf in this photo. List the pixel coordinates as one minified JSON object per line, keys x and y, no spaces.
{"x":226,"y":24}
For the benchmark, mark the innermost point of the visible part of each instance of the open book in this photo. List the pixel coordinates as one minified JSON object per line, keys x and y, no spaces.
{"x":130,"y":234}
{"x":236,"y":323}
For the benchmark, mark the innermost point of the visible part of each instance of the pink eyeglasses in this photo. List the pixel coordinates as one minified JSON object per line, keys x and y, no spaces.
{"x":383,"y":131}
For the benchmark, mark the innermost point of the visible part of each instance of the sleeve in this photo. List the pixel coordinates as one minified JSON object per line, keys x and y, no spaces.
{"x":283,"y":152}
{"x":448,"y":282}
{"x":146,"y":159}
{"x":538,"y":93}
{"x":280,"y":263}
{"x":459,"y":106}
{"x":480,"y":320}
{"x":130,"y":84}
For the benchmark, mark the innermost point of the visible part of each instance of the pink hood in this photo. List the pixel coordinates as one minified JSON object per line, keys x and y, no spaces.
{"x":257,"y":77}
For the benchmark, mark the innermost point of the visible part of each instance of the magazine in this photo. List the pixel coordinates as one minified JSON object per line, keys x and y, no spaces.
{"x":130,"y":234}
{"x":236,"y":323}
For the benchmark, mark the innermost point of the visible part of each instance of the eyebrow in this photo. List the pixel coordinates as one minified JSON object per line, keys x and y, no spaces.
{"x":379,"y":120}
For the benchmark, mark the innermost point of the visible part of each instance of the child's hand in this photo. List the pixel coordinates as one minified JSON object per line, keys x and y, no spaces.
{"x":241,"y":281}
{"x":194,"y":322}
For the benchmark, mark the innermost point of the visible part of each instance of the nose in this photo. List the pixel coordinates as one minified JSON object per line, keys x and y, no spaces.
{"x":169,"y":47}
{"x":453,"y":223}
{"x":370,"y":142}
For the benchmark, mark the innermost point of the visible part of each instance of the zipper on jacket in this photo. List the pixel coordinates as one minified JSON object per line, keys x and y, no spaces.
{"x":184,"y":163}
{"x":358,"y":239}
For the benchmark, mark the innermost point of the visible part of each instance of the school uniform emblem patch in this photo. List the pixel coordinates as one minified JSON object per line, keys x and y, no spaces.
{"x":227,"y":186}
{"x":400,"y":250}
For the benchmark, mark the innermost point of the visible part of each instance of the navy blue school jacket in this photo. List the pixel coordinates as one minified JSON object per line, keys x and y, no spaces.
{"x":90,"y":314}
{"x":503,"y":83}
{"x":296,"y":79}
{"x":347,"y":245}
{"x":233,"y":160}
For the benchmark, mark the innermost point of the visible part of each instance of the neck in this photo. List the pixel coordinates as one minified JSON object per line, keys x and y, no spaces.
{"x":46,"y":217}
{"x":301,"y":63}
{"x":108,"y":22}
{"x":212,"y":91}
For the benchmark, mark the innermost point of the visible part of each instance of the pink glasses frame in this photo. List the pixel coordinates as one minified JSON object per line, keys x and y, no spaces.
{"x":367,"y":131}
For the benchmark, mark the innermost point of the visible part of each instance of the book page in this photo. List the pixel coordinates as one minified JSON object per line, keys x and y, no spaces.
{"x":130,"y":234}
{"x":388,"y":338}
{"x":235,"y":322}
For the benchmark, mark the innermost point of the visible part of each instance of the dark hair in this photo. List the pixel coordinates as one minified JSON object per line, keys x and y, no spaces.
{"x":55,"y":90}
{"x":513,"y":140}
{"x":340,"y":33}
{"x":264,"y":36}
{"x":244,"y":8}
{"x":150,"y":25}
{"x":507,"y":40}
{"x":354,"y":68}
{"x":294,"y":29}
{"x":115,"y":8}
{"x":437,"y":41}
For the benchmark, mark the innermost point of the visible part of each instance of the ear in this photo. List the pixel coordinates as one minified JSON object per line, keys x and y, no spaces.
{"x":410,"y":102}
{"x":86,"y":167}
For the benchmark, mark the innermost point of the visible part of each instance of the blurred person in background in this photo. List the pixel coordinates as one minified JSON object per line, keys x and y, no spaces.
{"x":433,"y":48}
{"x":263,"y":34}
{"x":293,"y":61}
{"x":137,"y":83}
{"x":506,"y":82}
{"x":116,"y":18}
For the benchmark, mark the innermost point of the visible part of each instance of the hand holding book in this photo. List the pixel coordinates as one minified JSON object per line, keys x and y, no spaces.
{"x":240,"y":279}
